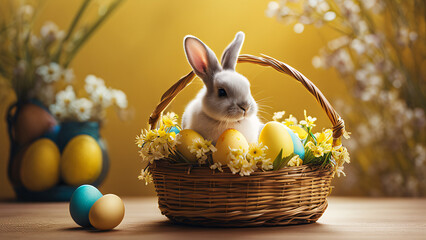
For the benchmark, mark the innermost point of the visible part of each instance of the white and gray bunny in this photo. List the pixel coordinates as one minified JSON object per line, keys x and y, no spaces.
{"x":225,"y":101}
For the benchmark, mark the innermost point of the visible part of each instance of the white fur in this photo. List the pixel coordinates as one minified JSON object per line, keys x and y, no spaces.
{"x":210,"y":113}
{"x":194,"y":118}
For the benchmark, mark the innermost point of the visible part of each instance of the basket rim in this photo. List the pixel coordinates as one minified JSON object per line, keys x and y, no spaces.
{"x":203,"y":172}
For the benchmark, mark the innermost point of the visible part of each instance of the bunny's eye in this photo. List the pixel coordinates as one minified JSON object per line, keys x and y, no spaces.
{"x":221,"y":92}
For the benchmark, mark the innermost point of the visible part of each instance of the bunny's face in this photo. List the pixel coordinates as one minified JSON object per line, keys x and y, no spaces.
{"x":229,"y":98}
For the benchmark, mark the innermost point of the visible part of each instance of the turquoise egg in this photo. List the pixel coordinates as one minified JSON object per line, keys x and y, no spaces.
{"x":174,"y":129}
{"x":299,"y":149}
{"x":81,"y":201}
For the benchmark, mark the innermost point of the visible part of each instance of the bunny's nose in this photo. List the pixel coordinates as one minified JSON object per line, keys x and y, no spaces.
{"x":244,"y":106}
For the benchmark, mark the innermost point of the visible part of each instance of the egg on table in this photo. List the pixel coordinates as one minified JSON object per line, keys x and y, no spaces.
{"x":107,"y":212}
{"x":81,"y":160}
{"x":276,"y":137}
{"x":81,"y":202}
{"x":39,"y":169}
{"x":230,"y":138}
{"x":299,"y":149}
{"x":185,"y":139}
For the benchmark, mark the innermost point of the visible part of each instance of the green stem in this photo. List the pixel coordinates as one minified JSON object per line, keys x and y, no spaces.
{"x":91,"y":30}
{"x":71,"y":29}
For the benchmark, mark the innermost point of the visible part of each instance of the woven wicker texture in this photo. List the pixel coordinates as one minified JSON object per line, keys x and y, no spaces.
{"x":201,"y":196}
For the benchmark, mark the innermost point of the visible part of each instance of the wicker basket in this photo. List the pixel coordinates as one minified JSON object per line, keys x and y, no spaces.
{"x":203,"y":197}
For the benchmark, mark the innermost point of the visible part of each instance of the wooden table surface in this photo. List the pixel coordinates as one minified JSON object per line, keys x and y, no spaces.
{"x":345,"y":218}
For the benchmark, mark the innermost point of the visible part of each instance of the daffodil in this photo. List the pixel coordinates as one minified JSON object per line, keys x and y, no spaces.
{"x":309,"y":121}
{"x":316,"y":150}
{"x":295,"y":161}
{"x":325,"y":136}
{"x":278,"y":115}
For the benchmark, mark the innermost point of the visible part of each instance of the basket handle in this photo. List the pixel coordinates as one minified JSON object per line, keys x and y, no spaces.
{"x":335,"y":119}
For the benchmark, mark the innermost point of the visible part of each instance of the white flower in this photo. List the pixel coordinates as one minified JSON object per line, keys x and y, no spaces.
{"x":298,"y":28}
{"x":65,"y":97}
{"x":67,"y":75}
{"x":50,"y":32}
{"x":93,"y":82}
{"x":102,"y":96}
{"x":82,"y":108}
{"x":59,"y":111}
{"x":119,"y":98}
{"x":26,"y":12}
{"x":278,"y":115}
{"x":49,"y":73}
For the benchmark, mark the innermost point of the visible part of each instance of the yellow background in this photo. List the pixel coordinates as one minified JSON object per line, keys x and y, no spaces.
{"x":139,"y":50}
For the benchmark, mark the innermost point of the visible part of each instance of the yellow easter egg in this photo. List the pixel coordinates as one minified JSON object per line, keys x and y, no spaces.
{"x":81,"y":160}
{"x":299,"y":131}
{"x":40,"y":165}
{"x":276,"y":137}
{"x":185,"y":139}
{"x":230,"y":138}
{"x":107,"y":212}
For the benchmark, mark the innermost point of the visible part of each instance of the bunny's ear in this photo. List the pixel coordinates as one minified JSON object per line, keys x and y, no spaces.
{"x":230,"y":55}
{"x":201,"y":58}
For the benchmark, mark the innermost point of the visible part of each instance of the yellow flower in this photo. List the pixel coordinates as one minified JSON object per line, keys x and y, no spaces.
{"x":267,"y":164}
{"x":295,"y":161}
{"x":145,"y":175}
{"x":200,"y":148}
{"x":290,"y":121}
{"x":309,"y":121}
{"x":278,"y":115}
{"x":256,"y":152}
{"x":170,"y":119}
{"x":318,"y":151}
{"x":325,"y":136}
{"x":340,"y":155}
{"x":217,"y":166}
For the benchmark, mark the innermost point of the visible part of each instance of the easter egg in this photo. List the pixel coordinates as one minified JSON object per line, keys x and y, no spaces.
{"x":174,"y":129}
{"x":185,"y":139}
{"x":107,"y":212}
{"x":81,"y":202}
{"x":40,"y":165}
{"x":299,"y":131}
{"x":81,"y":160}
{"x":276,"y":137}
{"x":32,"y":121}
{"x":299,"y":149}
{"x":230,"y":138}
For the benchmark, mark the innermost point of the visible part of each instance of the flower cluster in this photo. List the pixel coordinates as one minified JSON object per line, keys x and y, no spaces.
{"x":155,"y":144}
{"x":36,"y":65}
{"x":68,"y":107}
{"x":246,"y":162}
{"x":319,"y":148}
{"x":378,"y":56}
{"x":201,"y":148}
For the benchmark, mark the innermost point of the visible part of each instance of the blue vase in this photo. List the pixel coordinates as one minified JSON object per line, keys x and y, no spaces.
{"x":61,"y":135}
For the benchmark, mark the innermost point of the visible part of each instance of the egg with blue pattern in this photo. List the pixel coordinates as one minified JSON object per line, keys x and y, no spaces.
{"x":299,"y":149}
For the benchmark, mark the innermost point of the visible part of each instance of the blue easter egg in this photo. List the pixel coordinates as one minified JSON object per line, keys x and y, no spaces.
{"x":299,"y":149}
{"x":81,"y":201}
{"x":174,"y":129}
